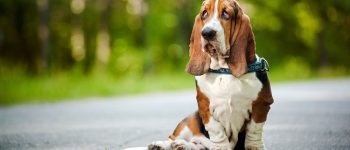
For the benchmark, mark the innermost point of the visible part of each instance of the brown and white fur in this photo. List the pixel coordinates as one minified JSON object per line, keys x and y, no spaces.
{"x":232,"y":109}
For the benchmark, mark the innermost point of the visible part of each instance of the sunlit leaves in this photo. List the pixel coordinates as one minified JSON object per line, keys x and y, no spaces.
{"x":309,"y":24}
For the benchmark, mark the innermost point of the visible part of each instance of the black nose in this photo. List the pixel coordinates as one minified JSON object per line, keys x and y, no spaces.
{"x":208,"y":33}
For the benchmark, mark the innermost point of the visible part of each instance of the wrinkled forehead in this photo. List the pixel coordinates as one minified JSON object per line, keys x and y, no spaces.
{"x":215,"y":5}
{"x":209,"y":5}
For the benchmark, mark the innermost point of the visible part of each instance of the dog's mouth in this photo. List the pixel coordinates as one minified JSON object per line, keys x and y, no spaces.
{"x":210,"y":49}
{"x":213,"y":51}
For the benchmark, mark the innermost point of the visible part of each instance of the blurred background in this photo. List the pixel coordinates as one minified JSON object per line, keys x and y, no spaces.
{"x":53,"y":50}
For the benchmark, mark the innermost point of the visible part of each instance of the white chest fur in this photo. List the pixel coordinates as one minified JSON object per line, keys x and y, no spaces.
{"x":230,"y":98}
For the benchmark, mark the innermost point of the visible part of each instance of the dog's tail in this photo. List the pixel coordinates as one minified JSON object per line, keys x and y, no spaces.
{"x":136,"y":148}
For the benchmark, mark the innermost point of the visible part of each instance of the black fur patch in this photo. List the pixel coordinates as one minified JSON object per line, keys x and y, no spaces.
{"x":262,"y":76}
{"x":201,"y":125}
{"x":240,"y":142}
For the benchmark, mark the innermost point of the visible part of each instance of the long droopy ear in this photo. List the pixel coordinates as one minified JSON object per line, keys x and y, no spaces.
{"x":242,"y":49}
{"x":199,"y":61}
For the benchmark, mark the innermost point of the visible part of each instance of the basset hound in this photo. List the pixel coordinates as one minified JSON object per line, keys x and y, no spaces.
{"x":233,"y":90}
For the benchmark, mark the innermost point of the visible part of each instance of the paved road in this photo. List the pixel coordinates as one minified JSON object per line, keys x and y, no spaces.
{"x":306,"y":115}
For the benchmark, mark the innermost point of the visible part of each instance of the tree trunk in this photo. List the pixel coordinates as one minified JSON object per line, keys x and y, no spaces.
{"x":43,"y":33}
{"x":323,"y":55}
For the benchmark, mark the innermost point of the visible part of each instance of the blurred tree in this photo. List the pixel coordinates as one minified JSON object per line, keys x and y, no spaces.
{"x":43,"y":6}
{"x":305,"y":29}
{"x":90,"y":27}
{"x":60,"y":26}
{"x":18,"y":30}
{"x":103,"y":38}
{"x":146,"y":37}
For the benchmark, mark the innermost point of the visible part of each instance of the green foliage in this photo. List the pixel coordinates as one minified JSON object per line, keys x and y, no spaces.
{"x":315,"y":31}
{"x":109,"y":47}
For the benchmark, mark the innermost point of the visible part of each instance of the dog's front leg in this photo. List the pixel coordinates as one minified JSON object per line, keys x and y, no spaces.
{"x":260,"y":109}
{"x":253,"y":140}
{"x":217,"y":135}
{"x":216,"y":131}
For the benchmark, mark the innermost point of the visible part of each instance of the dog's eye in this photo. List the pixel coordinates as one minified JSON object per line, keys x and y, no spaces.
{"x":204,"y":14}
{"x":225,"y":15}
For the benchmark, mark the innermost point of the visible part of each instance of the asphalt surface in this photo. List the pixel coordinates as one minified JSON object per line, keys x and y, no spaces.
{"x":312,"y":115}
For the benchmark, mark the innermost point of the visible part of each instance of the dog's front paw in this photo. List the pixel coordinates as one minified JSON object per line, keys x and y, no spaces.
{"x":254,"y":144}
{"x":155,"y":147}
{"x":254,"y":140}
{"x":254,"y":148}
{"x":159,"y":145}
{"x":182,"y":145}
{"x":179,"y":145}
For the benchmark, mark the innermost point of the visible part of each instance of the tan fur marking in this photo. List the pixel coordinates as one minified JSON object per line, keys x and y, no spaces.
{"x":261,"y":105}
{"x":226,"y":24}
{"x":192,"y":124}
{"x":203,"y":106}
{"x":199,"y":61}
{"x":210,"y":7}
{"x":243,"y":50}
{"x":178,"y":129}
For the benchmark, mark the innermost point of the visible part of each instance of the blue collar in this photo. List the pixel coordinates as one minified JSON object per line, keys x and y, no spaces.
{"x":260,"y":64}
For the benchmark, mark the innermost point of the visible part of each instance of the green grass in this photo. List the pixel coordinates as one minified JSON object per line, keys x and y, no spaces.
{"x":18,"y":88}
{"x":296,"y":69}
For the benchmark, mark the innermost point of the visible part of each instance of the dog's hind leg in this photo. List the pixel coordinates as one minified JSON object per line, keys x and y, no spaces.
{"x":189,"y":134}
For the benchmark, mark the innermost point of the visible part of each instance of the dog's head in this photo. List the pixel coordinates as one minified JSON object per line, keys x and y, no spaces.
{"x":221,"y":30}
